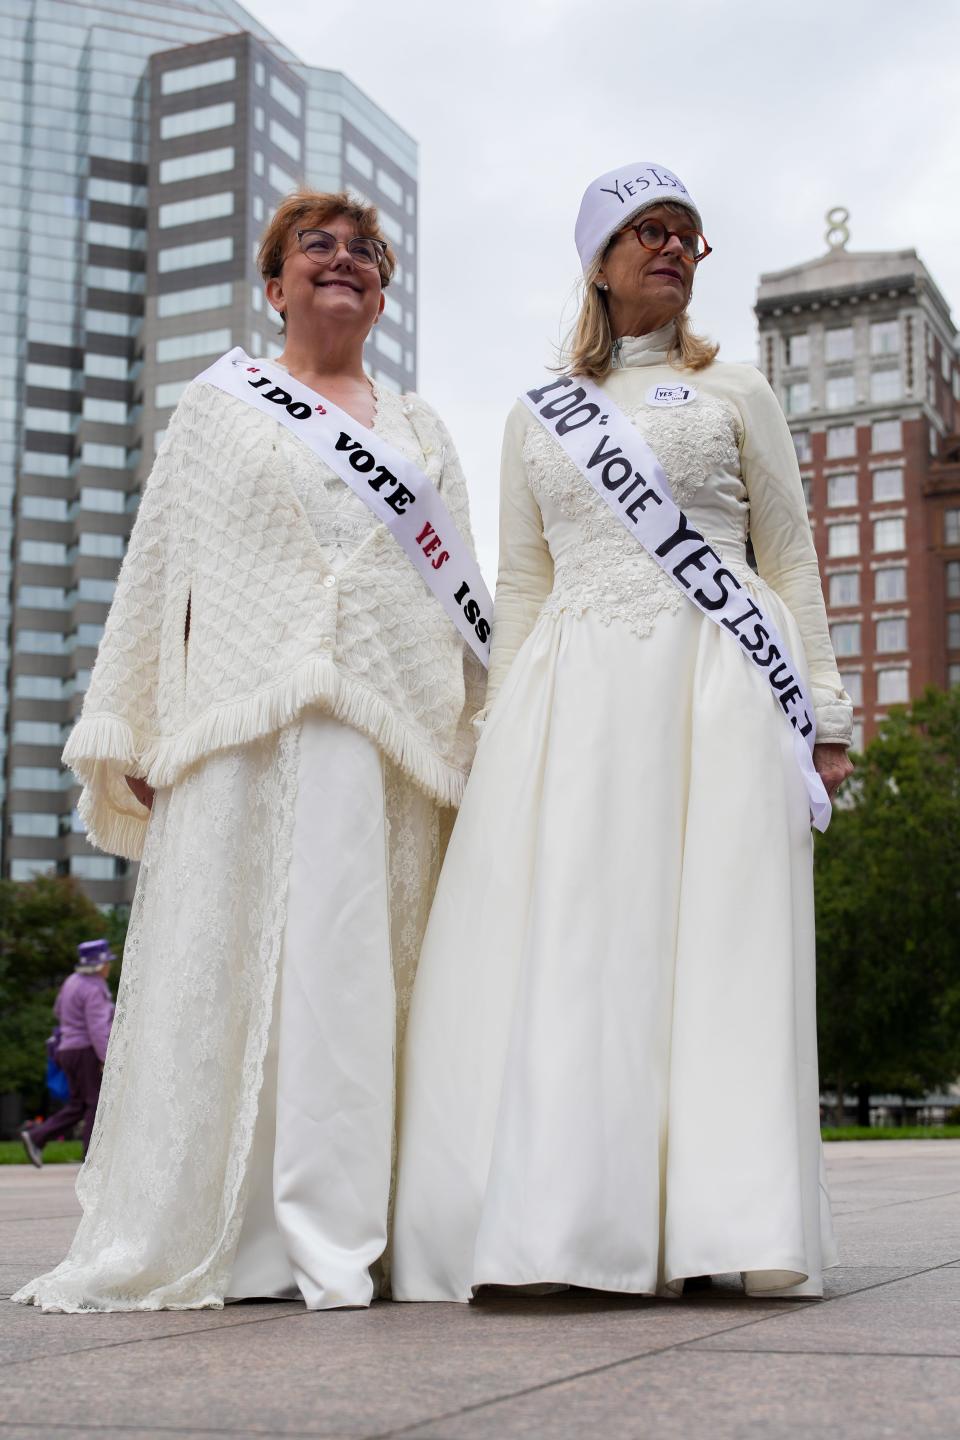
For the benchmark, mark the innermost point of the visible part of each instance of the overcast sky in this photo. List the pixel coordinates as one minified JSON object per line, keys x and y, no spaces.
{"x":769,"y":112}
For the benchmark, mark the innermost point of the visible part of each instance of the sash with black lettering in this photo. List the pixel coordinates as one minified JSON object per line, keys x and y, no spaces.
{"x":616,"y":460}
{"x":394,"y":488}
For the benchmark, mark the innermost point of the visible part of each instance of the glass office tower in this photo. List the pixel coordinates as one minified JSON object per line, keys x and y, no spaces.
{"x":143,"y":151}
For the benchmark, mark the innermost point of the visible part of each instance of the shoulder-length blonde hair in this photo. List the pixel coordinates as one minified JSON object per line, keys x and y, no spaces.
{"x":588,"y":349}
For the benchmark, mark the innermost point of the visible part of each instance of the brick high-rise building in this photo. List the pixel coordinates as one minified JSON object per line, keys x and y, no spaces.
{"x":861,"y":351}
{"x":145,"y":146}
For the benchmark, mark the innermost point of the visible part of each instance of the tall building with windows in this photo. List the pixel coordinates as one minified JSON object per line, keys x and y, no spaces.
{"x":144,"y":149}
{"x":861,"y":351}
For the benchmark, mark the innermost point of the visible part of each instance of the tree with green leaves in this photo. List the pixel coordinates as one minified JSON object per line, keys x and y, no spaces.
{"x":42,"y":922}
{"x":888,"y":911}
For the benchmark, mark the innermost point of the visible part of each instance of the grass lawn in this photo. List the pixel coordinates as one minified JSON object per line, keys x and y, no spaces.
{"x":904,"y":1132}
{"x":58,"y":1152}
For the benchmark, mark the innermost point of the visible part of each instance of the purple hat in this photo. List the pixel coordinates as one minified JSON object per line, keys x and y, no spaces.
{"x":94,"y":953}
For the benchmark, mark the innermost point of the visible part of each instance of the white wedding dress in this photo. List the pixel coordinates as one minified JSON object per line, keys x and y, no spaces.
{"x":244,"y":1137}
{"x":611,"y":1072}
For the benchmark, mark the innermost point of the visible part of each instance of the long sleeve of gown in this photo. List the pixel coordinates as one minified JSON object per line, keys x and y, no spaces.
{"x":525,"y":574}
{"x":786,"y":556}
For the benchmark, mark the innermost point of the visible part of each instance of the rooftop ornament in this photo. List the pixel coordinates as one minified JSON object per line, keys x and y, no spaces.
{"x":838,"y":233}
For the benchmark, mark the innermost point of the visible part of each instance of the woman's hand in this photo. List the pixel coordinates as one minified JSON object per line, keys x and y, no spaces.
{"x":141,"y":790}
{"x":833,"y":766}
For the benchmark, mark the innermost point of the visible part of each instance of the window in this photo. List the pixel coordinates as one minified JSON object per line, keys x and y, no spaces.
{"x":93,"y":867}
{"x":839,"y":344}
{"x":885,"y":384}
{"x":188,"y":212}
{"x":99,"y":592}
{"x":87,"y":636}
{"x":115,"y":192}
{"x":37,"y":732}
{"x":192,"y":122}
{"x":191,"y":167}
{"x":110,"y":547}
{"x":104,"y":457}
{"x":945,"y":363}
{"x":840,"y":392}
{"x":359,"y":159}
{"x":885,"y":337}
{"x":891,"y":635}
{"x":845,"y":589}
{"x":43,"y":507}
{"x":115,"y":237}
{"x":111,"y":502}
{"x":852,"y":682}
{"x":194,"y":77}
{"x":280,"y":180}
{"x":890,"y":583}
{"x":57,"y":422}
{"x":285,"y":140}
{"x":951,"y":527}
{"x":284,"y":96}
{"x":893,"y":687}
{"x":42,"y":597}
{"x":105,"y":412}
{"x":953,"y":675}
{"x":258,"y":162}
{"x":888,"y":535}
{"x":38,"y":462}
{"x":796,"y":349}
{"x":167,"y":395}
{"x":796,"y":398}
{"x":807,"y":486}
{"x":38,"y":687}
{"x":188,"y":347}
{"x":888,"y":484}
{"x":259,"y":210}
{"x":841,"y":441}
{"x":40,"y":642}
{"x":204,"y":252}
{"x":846,"y":638}
{"x":953,"y":630}
{"x":934,"y":440}
{"x":843,"y":540}
{"x":841,"y":489}
{"x":35,"y":777}
{"x":801,"y":444}
{"x":51,"y":377}
{"x":45,"y":826}
{"x":392,"y":229}
{"x":42,"y":552}
{"x":259,"y":74}
{"x":887,"y":435}
{"x":110,"y":322}
{"x":388,"y":346}
{"x":185,"y":302}
{"x":29,"y":869}
{"x":394,"y":192}
{"x":105,"y":367}
{"x":953,"y":579}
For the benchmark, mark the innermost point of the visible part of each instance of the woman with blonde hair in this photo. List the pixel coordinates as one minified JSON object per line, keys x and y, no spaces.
{"x":611,"y":1073}
{"x":275,"y":726}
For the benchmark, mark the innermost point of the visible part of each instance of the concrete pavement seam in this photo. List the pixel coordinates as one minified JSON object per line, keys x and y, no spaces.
{"x":801,"y":1309}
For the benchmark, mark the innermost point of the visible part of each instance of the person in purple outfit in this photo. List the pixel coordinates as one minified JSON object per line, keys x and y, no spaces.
{"x":84,"y":1011}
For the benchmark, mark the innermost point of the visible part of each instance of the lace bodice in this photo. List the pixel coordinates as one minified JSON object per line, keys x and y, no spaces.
{"x":598,"y":564}
{"x":730,"y":463}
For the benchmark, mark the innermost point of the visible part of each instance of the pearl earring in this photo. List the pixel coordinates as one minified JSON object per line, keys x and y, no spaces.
{"x":603,"y":286}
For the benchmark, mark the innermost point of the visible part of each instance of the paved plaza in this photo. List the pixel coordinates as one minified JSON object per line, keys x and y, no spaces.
{"x":879,"y":1357}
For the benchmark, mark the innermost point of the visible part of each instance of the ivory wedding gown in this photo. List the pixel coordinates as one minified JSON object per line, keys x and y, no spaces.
{"x":611,"y":1070}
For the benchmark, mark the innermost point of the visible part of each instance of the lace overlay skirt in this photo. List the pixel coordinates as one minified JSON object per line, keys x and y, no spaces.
{"x":165,"y":1186}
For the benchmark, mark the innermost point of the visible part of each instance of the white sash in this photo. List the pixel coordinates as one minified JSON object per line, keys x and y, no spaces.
{"x":616,"y":460}
{"x":393,"y":487}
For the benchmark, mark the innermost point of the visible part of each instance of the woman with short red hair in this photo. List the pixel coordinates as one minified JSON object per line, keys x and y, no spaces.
{"x":275,"y":726}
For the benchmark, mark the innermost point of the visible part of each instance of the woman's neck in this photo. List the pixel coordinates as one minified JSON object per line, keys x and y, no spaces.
{"x":325,"y":355}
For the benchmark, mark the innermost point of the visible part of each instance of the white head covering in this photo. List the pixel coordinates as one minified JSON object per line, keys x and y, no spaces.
{"x":610,"y":201}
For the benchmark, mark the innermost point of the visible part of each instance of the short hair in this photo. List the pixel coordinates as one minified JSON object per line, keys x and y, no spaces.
{"x":304,"y":209}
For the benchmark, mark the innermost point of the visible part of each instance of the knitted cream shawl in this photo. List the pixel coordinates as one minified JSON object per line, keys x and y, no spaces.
{"x":222,"y":536}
